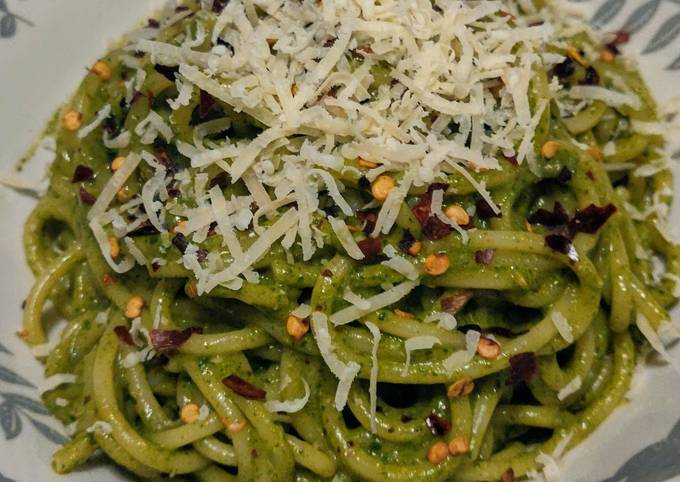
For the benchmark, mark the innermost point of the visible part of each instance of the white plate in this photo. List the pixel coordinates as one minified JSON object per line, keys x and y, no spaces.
{"x":44,"y":48}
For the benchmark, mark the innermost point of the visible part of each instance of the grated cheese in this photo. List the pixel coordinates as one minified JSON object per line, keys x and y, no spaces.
{"x":101,"y":115}
{"x":424,"y":342}
{"x":570,"y":388}
{"x":345,"y":237}
{"x":400,"y":264}
{"x":114,"y":184}
{"x":289,"y":406}
{"x":373,"y":380}
{"x":375,"y":303}
{"x":563,"y":326}
{"x":344,"y":372}
{"x":56,"y":380}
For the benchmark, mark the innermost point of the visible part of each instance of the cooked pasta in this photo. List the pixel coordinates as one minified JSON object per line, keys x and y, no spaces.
{"x":350,"y":241}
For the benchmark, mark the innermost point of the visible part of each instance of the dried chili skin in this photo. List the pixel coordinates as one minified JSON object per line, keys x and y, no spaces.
{"x":243,"y":388}
{"x":523,"y":368}
{"x":171,"y":340}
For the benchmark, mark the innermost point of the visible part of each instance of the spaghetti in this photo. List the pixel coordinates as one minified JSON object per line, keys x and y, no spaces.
{"x":350,"y":241}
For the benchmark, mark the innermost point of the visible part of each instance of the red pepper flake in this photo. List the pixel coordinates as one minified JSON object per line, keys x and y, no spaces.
{"x":433,"y":227}
{"x":243,"y":388}
{"x":592,"y":218}
{"x":369,"y":217}
{"x":180,"y":242}
{"x":153,"y":23}
{"x":86,"y":197}
{"x":327,"y":273}
{"x":330,"y":42}
{"x":592,"y":77}
{"x":124,"y":335}
{"x":439,"y":426}
{"x":565,"y":175}
{"x":454,"y":303}
{"x":82,"y":173}
{"x":562,"y":244}
{"x":590,"y":175}
{"x":406,"y":241}
{"x":523,"y":368}
{"x":218,"y":5}
{"x":512,"y":160}
{"x":508,"y":476}
{"x":107,"y":279}
{"x":206,"y":103}
{"x":485,"y":211}
{"x":557,"y":217}
{"x":620,"y":38}
{"x":565,"y":69}
{"x":364,"y":50}
{"x":485,"y":256}
{"x":371,"y":247}
{"x":171,"y":340}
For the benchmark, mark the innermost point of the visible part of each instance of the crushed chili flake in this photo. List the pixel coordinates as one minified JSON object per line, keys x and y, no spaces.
{"x":327,"y":273}
{"x":243,"y":388}
{"x":218,"y":5}
{"x":180,"y":242}
{"x":153,"y":23}
{"x":485,"y":256}
{"x":201,"y":255}
{"x":565,"y":69}
{"x":406,"y":241}
{"x":508,"y":476}
{"x":206,"y":103}
{"x":590,"y":219}
{"x":565,"y":175}
{"x":562,"y":244}
{"x":592,"y":77}
{"x":439,"y":426}
{"x":82,"y":173}
{"x":165,"y":160}
{"x":330,"y":42}
{"x":433,"y":227}
{"x":155,"y":266}
{"x":86,"y":197}
{"x":454,"y":303}
{"x":371,"y":247}
{"x":620,"y":38}
{"x":369,"y":217}
{"x":171,"y":340}
{"x":107,"y":279}
{"x":500,"y":331}
{"x":221,"y":180}
{"x":557,"y":217}
{"x":512,"y":160}
{"x":523,"y":368}
{"x":485,"y":211}
{"x":124,"y":335}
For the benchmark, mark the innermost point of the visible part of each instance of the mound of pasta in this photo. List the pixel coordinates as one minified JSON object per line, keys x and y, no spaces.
{"x":345,"y":240}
